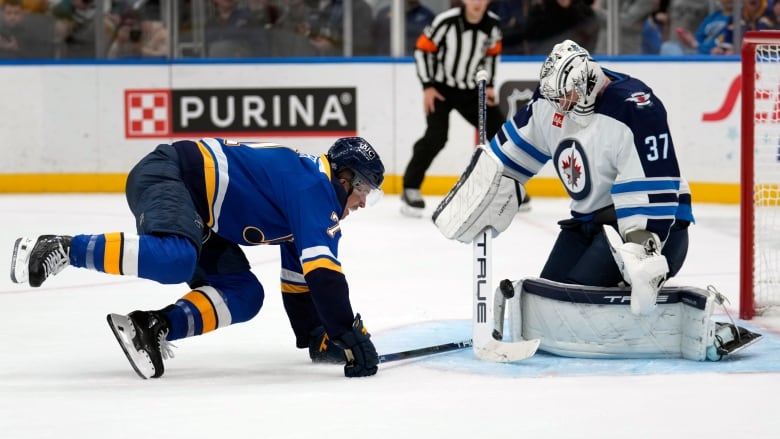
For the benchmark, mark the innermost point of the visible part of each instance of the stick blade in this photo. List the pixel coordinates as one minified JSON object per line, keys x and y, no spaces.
{"x":505,"y":352}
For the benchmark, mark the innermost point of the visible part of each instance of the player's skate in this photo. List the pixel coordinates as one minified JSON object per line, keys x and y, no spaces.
{"x":142,"y":336}
{"x":34,"y":261}
{"x":729,"y":339}
{"x":412,"y":203}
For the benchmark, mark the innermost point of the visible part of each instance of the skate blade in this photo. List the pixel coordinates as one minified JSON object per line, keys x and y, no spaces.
{"x":20,"y":260}
{"x":746,"y":339}
{"x":124,"y":331}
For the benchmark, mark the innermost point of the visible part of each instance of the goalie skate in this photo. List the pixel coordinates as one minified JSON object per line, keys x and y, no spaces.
{"x":730,"y":339}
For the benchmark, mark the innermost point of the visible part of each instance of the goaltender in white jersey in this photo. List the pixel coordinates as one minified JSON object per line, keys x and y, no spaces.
{"x":607,"y":136}
{"x":609,"y":141}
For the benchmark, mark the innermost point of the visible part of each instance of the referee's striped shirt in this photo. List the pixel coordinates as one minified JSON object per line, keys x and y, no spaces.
{"x":451,"y":50}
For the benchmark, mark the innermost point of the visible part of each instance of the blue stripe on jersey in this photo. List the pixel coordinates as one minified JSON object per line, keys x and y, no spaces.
{"x":529,"y":149}
{"x":646,"y":186}
{"x":508,"y":162}
{"x":685,"y":212}
{"x":649,"y":211}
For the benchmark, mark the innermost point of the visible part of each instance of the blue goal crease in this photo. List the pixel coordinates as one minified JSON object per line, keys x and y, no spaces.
{"x":761,"y":357}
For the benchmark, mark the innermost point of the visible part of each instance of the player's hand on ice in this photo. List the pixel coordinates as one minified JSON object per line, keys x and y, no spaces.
{"x":322,"y":349}
{"x":362,"y":359}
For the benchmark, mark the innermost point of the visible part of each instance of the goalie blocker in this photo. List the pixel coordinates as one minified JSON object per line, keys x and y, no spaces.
{"x":482,"y":197}
{"x":594,"y":322}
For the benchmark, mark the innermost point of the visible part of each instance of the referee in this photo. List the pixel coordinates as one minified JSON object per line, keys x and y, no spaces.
{"x":449,"y":52}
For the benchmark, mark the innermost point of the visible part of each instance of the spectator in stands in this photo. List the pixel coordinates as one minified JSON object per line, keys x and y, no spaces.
{"x":715,"y":35}
{"x":655,"y":30}
{"x":756,"y":15}
{"x":135,"y":36}
{"x":417,"y":17}
{"x":292,"y":31}
{"x":684,"y":15}
{"x":36,"y":6}
{"x":265,"y":12}
{"x":513,"y":14}
{"x":231,"y":32}
{"x":23,"y":35}
{"x":632,"y":15}
{"x":776,"y":14}
{"x":550,"y":21}
{"x":75,"y":28}
{"x":328,"y":34}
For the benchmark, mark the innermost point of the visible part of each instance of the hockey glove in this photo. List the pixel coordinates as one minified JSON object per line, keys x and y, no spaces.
{"x":322,"y":349}
{"x":362,"y":359}
{"x":645,"y":268}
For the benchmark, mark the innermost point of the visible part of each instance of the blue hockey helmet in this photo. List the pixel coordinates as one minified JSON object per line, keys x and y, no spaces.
{"x":357,"y":155}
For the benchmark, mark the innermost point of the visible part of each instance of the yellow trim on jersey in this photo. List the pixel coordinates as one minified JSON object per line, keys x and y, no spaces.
{"x":294,"y":288}
{"x":326,"y":263}
{"x":325,"y":165}
{"x":207,"y":314}
{"x":112,"y":255}
{"x":210,"y":180}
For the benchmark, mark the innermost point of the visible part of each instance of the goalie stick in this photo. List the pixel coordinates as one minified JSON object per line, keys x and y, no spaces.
{"x":486,"y":347}
{"x":430,"y":350}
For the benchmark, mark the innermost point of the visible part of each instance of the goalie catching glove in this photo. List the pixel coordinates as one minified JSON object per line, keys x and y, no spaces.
{"x":482,"y":197}
{"x":360,"y":353}
{"x":641,"y":264}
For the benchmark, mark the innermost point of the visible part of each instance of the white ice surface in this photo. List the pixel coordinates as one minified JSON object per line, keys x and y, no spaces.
{"x":62,"y":374}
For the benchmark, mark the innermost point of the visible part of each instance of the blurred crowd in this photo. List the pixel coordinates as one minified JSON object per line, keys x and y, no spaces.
{"x":88,"y":29}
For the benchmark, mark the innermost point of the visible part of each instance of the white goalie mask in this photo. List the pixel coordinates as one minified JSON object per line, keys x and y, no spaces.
{"x":570,"y":67}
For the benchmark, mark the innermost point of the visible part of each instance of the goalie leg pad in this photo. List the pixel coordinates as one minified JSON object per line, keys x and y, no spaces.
{"x":481,"y":198}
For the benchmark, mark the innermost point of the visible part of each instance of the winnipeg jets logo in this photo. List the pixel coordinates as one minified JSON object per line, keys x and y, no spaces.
{"x":572,"y":170}
{"x":571,"y":164}
{"x":641,"y":99}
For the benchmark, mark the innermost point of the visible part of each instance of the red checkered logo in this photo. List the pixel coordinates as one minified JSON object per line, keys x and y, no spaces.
{"x":557,"y":120}
{"x":147,"y":113}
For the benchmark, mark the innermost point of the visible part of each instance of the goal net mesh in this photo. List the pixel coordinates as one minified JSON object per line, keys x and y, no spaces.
{"x":766,"y":178}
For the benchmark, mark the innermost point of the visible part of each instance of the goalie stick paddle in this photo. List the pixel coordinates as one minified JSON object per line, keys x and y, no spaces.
{"x":421,"y":352}
{"x":486,"y":347}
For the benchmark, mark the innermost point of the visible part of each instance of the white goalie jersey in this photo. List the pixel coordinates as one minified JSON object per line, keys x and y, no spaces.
{"x":624,"y":156}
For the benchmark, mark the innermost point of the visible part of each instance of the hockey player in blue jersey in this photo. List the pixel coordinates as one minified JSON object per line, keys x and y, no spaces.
{"x":609,"y":141}
{"x":195,"y":204}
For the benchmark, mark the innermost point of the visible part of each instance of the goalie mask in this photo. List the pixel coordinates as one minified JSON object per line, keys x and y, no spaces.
{"x":568,"y":68}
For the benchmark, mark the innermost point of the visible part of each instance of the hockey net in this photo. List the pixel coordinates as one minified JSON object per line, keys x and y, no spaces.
{"x":760,"y":175}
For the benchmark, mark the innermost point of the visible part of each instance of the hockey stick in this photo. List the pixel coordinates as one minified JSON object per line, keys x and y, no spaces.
{"x":430,"y":350}
{"x":486,"y":347}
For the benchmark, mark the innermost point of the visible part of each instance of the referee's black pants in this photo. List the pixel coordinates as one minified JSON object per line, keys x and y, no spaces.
{"x":465,"y":102}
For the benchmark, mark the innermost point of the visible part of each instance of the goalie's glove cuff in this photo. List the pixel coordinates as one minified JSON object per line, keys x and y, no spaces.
{"x":360,"y":353}
{"x":645,"y":268}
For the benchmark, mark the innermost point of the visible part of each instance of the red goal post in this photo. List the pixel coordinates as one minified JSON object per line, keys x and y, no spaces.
{"x":760,"y":174}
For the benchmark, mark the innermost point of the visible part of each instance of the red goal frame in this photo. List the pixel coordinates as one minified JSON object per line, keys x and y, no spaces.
{"x":750,"y":41}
